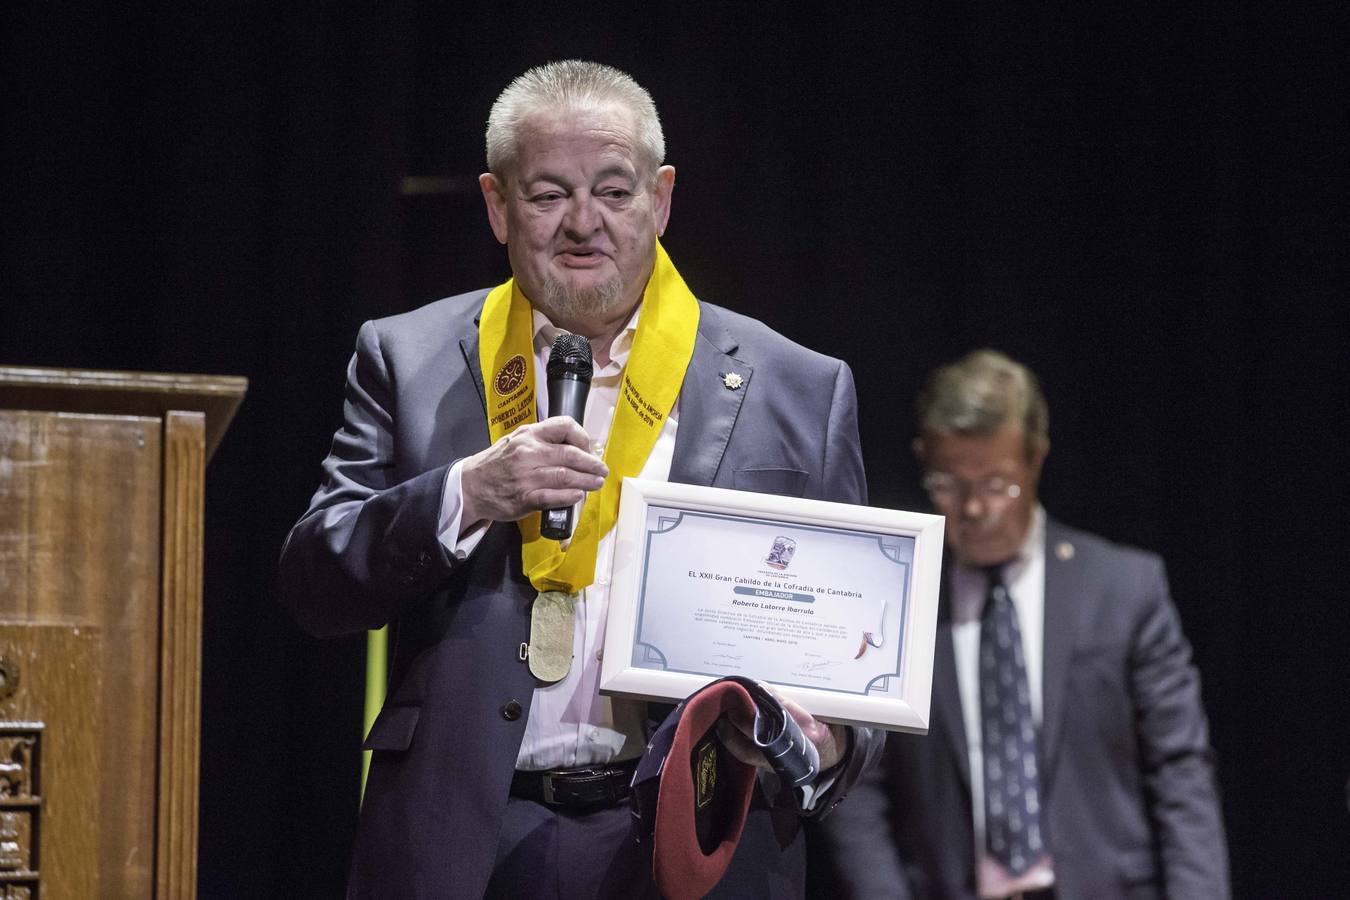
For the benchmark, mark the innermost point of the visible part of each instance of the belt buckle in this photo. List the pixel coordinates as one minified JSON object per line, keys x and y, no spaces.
{"x":564,"y":779}
{"x":580,"y":787}
{"x":551,"y":793}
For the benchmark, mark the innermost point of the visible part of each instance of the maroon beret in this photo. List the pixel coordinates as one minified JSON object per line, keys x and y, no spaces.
{"x":691,"y":795}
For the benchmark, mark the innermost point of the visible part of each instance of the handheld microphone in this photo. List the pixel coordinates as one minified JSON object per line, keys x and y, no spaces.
{"x":569,"y":381}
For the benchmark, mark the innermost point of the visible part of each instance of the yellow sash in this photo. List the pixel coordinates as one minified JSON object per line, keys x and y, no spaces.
{"x":662,"y":348}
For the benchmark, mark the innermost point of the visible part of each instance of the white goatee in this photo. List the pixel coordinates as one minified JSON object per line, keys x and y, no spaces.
{"x":590,"y":304}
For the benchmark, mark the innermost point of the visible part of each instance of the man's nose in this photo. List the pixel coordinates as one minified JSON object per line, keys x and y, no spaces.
{"x":582,"y":218}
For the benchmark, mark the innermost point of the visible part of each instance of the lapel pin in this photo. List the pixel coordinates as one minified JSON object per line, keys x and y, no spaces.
{"x":732,"y":381}
{"x":1064,"y":550}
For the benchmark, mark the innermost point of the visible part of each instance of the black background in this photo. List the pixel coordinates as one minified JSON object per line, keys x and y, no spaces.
{"x":1145,"y":204}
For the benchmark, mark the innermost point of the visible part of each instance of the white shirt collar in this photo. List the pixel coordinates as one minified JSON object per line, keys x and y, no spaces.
{"x":545,"y":333}
{"x":1033,"y":546}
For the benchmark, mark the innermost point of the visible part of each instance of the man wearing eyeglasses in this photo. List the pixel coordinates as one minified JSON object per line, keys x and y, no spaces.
{"x":1068,"y":754}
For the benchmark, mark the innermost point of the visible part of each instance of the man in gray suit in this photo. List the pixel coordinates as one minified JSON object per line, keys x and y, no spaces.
{"x":495,"y":772}
{"x":1068,"y":753}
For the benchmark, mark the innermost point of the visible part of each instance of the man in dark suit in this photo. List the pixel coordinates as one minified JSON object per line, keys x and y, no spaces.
{"x":493,"y":774}
{"x":1068,"y":753}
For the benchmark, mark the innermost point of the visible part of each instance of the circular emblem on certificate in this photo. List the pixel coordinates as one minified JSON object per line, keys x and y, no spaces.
{"x":510,"y":376}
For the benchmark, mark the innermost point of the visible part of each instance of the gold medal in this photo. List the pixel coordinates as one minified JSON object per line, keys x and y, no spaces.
{"x":552,"y":626}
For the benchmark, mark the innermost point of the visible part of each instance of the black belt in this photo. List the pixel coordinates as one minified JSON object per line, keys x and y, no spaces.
{"x":591,"y":787}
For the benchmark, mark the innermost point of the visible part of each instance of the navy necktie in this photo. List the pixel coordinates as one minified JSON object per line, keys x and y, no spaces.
{"x":1012,"y":795}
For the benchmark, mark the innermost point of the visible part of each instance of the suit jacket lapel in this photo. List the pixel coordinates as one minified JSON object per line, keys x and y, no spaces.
{"x":947,"y":716}
{"x":708,"y":409}
{"x":1067,"y":592}
{"x":469,"y":347}
{"x":452,"y":387}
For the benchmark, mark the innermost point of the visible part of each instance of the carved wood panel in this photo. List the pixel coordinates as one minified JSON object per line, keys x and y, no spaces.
{"x":20,"y":805}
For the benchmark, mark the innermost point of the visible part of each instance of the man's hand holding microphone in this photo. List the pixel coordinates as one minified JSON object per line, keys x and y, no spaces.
{"x":546,"y":465}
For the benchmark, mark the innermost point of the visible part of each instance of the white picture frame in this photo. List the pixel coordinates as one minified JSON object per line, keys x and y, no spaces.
{"x":689,"y":607}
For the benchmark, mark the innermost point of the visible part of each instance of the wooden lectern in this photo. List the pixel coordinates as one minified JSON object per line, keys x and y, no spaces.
{"x":101,"y":487}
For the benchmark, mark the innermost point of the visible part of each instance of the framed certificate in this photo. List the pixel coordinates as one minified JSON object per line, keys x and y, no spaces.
{"x":834,"y":605}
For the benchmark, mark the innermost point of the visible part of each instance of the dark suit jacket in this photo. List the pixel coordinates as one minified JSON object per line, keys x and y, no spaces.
{"x":366,"y":554}
{"x":1129,"y":801}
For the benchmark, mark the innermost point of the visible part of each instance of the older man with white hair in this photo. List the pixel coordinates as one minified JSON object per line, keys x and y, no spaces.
{"x":490,"y":776}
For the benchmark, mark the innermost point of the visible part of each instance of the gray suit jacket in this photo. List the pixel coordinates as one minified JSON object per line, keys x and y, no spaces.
{"x":1129,"y":800}
{"x":366,"y":554}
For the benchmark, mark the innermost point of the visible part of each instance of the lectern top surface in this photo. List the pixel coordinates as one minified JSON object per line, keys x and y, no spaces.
{"x":125,"y":393}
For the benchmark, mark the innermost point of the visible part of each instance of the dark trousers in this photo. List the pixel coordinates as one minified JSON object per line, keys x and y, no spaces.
{"x":549,"y":853}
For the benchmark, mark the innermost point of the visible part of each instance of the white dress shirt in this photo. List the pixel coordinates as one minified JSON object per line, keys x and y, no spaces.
{"x":570,"y":724}
{"x":1024,"y":577}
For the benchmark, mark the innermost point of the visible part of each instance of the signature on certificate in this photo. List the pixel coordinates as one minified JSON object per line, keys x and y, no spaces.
{"x":817,"y":665}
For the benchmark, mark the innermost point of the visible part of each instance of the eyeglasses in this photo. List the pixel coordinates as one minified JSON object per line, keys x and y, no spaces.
{"x":948,"y":490}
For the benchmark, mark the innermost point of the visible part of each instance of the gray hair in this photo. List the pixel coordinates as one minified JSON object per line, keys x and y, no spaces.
{"x":980,"y":393}
{"x":569,"y":86}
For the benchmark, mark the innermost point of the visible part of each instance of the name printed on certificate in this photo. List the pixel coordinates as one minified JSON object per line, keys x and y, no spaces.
{"x":793,"y":604}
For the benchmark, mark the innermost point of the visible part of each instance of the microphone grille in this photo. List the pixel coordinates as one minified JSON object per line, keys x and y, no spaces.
{"x":570,"y":356}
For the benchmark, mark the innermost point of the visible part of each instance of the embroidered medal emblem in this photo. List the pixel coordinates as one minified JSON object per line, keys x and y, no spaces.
{"x":705,"y":767}
{"x":732,"y":381}
{"x":510,"y":376}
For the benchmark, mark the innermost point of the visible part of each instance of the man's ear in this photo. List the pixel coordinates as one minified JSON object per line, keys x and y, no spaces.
{"x":494,"y":197}
{"x":1039,"y":450}
{"x":665,"y":186}
{"x":920,"y":450}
